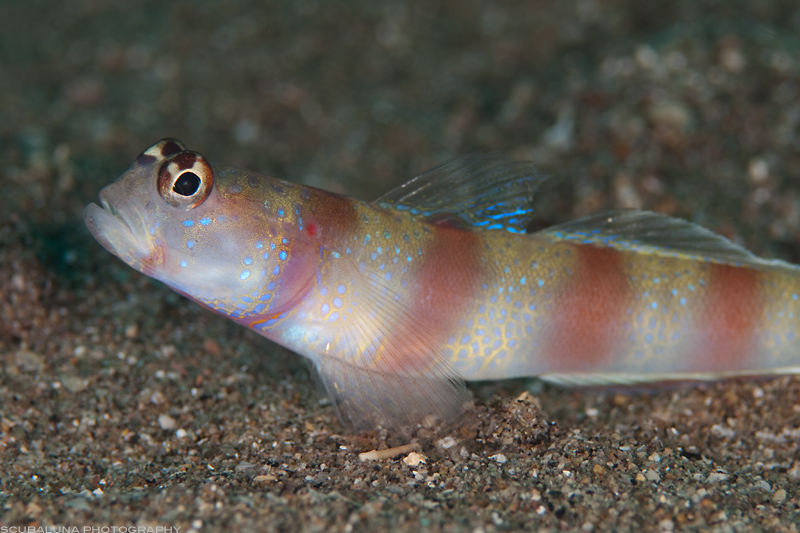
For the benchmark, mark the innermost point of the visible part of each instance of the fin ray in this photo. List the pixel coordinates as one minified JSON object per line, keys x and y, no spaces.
{"x":653,"y":233}
{"x":389,"y":382}
{"x":486,"y":191}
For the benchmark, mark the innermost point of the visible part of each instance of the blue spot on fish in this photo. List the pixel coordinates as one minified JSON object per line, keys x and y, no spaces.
{"x":205,"y":221}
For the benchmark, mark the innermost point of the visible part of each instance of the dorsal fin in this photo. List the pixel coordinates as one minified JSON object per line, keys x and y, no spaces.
{"x":487,"y":191}
{"x":654,"y":233}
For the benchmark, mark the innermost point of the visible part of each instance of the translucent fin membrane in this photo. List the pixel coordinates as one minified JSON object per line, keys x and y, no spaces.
{"x":487,"y":191}
{"x":397,"y":375}
{"x":653,"y":233}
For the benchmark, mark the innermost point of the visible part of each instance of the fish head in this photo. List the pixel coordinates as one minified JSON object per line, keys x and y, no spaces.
{"x":230,"y":239}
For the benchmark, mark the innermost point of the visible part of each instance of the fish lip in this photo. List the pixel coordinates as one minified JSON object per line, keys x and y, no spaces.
{"x":110,"y":227}
{"x":105,"y":212}
{"x":101,"y":222}
{"x":108,"y":206}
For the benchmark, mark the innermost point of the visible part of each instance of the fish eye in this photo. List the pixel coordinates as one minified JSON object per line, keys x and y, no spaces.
{"x":185,"y":180}
{"x":187,"y":184}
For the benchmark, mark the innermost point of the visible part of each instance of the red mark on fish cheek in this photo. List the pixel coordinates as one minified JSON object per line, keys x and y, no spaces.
{"x":312,"y":229}
{"x":589,"y":312}
{"x":732,"y":309}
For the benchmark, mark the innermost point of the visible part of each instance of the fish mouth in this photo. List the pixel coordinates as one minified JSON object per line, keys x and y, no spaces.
{"x":113,"y":231}
{"x":108,"y":206}
{"x":106,"y":226}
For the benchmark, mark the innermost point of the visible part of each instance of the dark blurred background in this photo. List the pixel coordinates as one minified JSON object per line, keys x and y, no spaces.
{"x":689,"y":108}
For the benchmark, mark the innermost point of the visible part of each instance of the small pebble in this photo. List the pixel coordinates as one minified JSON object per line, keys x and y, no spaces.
{"x":414,"y":459}
{"x":212,"y":347}
{"x":763,"y":485}
{"x":166,"y":422}
{"x":73,"y":383}
{"x":716,"y":477}
{"x":28,"y":361}
{"x":758,"y":169}
{"x":446,"y":443}
{"x":131,"y":331}
{"x":652,"y":475}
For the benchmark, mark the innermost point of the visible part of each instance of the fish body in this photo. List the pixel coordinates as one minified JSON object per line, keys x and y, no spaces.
{"x":399,"y":300}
